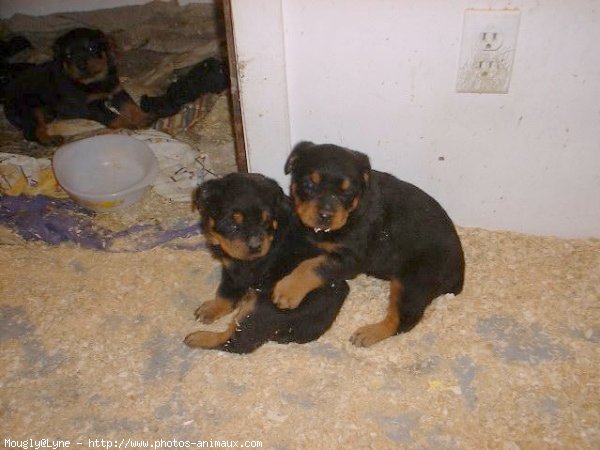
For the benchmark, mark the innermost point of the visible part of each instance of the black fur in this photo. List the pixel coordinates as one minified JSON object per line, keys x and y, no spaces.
{"x":207,"y":76}
{"x":8,"y":70}
{"x":395,"y":231}
{"x":306,"y":323}
{"x":13,"y":46}
{"x":251,"y":195}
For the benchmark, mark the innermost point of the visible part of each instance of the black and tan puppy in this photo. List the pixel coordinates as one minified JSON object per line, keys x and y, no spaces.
{"x":81,"y":82}
{"x":370,"y":222}
{"x":248,"y":223}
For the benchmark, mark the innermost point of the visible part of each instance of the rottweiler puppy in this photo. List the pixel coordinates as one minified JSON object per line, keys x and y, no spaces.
{"x":248,"y":224}
{"x":210,"y":75}
{"x":81,"y":82}
{"x":370,"y":222}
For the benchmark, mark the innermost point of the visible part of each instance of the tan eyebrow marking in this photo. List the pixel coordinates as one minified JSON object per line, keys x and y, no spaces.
{"x":238,"y":217}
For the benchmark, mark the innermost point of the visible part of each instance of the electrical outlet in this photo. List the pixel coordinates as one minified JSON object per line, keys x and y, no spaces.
{"x":487,"y":53}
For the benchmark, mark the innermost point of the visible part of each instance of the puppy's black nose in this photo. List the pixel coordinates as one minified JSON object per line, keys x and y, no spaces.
{"x":254,"y":245}
{"x":325,"y":214}
{"x":82,"y":66}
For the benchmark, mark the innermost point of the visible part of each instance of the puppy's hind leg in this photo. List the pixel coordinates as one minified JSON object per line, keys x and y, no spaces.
{"x":308,"y":322}
{"x":425,"y":278}
{"x":316,"y":314}
{"x":371,"y":334}
{"x":415,"y":300}
{"x":256,"y":328}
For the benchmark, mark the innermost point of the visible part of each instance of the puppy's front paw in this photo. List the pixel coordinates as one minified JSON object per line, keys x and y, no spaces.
{"x":288,"y":293}
{"x":51,"y":141}
{"x":57,"y":140}
{"x":370,"y":334}
{"x":203,"y":339}
{"x":212,"y":310}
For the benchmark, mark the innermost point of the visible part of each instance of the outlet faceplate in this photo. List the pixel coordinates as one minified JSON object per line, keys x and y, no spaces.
{"x":487,"y":53}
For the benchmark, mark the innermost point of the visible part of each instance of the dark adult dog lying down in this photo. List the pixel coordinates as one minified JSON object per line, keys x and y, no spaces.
{"x":370,"y":222}
{"x":81,"y":82}
{"x":249,"y":226}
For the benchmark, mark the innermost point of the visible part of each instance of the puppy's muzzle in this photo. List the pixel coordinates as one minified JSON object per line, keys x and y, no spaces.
{"x":82,"y":66}
{"x":254,"y":244}
{"x":326,"y":211}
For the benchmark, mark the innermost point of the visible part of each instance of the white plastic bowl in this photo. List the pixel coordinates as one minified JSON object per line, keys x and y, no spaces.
{"x":107,"y":172}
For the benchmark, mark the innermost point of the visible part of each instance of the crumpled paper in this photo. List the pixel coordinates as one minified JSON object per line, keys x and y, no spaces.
{"x":181,"y":168}
{"x":20,"y":174}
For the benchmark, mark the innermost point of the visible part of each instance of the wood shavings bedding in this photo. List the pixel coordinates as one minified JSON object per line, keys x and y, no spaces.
{"x":91,"y":348}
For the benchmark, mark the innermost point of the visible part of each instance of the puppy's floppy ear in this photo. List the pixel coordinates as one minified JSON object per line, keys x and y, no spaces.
{"x":364,"y":165}
{"x":111,"y":46}
{"x":57,"y":46}
{"x":278,"y":200}
{"x":206,"y":193}
{"x":281,"y":202}
{"x":298,"y":149}
{"x":282,"y":209}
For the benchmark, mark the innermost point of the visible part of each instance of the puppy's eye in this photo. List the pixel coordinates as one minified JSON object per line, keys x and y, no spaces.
{"x":95,"y":49}
{"x":265,"y":217}
{"x":346,"y":189}
{"x":231,"y":227}
{"x":346,"y":193}
{"x":309,"y":185}
{"x":235,"y":221}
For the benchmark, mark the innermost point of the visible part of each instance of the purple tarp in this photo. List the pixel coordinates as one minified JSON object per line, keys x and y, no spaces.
{"x":53,"y":221}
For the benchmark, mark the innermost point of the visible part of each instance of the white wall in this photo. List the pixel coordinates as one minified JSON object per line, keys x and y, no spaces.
{"x":43,"y":7}
{"x":260,"y":53}
{"x":379,"y":76}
